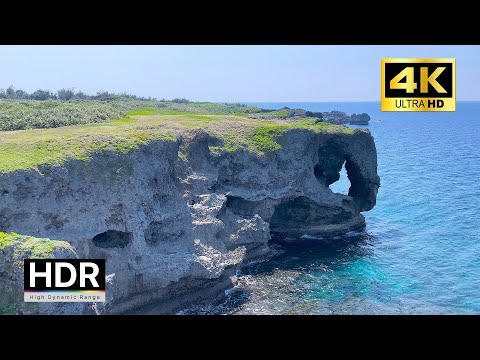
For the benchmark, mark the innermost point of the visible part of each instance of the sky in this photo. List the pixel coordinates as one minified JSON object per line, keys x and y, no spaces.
{"x":233,"y":73}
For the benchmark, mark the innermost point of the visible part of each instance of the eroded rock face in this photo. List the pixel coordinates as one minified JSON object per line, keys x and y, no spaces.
{"x":169,"y":224}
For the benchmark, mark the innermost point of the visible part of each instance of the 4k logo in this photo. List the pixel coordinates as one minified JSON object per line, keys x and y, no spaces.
{"x":418,"y":85}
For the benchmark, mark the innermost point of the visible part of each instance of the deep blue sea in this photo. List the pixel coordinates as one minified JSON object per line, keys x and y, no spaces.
{"x":420,"y":252}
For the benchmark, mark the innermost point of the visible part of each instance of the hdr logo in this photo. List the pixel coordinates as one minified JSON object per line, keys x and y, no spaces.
{"x":64,"y":280}
{"x":418,"y":85}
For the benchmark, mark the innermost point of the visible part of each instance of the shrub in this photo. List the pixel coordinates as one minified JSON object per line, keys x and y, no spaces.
{"x":28,"y":114}
{"x":42,"y":95}
{"x":180,"y":101}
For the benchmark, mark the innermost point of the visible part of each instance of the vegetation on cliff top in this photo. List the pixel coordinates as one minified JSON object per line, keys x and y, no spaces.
{"x":27,"y":114}
{"x":233,"y":125}
{"x":14,"y":248}
{"x":31,"y":114}
{"x":31,"y":247}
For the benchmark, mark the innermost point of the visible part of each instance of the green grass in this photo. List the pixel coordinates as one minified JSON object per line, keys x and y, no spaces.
{"x":123,"y":120}
{"x":229,"y":141}
{"x":186,"y":114}
{"x":31,"y":247}
{"x":21,"y":150}
{"x":172,"y":108}
{"x":44,"y":148}
{"x":211,"y":108}
{"x":151,"y":111}
{"x":278,"y":113}
{"x":264,"y":138}
{"x":143,"y":111}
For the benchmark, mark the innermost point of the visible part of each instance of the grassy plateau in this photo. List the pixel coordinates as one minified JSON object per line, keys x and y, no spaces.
{"x":124,"y":125}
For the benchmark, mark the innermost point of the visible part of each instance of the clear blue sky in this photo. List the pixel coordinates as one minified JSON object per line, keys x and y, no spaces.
{"x":224,"y":73}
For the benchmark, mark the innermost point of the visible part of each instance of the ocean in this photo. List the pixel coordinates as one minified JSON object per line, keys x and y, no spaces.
{"x":420,"y":251}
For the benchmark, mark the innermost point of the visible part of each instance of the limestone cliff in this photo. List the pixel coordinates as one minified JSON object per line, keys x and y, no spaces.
{"x":174,"y":219}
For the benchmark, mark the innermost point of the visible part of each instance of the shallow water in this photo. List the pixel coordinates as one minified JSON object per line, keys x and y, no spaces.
{"x":420,"y":252}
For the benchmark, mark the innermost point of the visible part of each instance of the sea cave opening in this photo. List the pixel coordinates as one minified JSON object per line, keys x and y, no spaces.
{"x":334,"y":174}
{"x":112,"y":239}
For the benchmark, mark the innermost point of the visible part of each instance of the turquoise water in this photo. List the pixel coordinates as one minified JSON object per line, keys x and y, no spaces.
{"x":420,"y":252}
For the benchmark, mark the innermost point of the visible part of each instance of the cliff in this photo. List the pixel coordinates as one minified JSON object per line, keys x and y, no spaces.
{"x":175,"y":204}
{"x":340,"y":117}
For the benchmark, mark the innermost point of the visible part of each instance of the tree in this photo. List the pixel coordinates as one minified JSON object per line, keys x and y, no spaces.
{"x":10,"y":92}
{"x":41,"y":95}
{"x":20,"y":94}
{"x":65,"y":94}
{"x":81,"y":95}
{"x":180,"y":101}
{"x":103,"y":96}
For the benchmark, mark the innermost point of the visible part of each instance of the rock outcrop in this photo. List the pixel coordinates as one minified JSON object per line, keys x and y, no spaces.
{"x":332,"y":117}
{"x":174,"y":228}
{"x":359,"y":119}
{"x":341,"y":118}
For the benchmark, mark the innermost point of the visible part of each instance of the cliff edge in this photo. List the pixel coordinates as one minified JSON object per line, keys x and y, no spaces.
{"x":175,"y":215}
